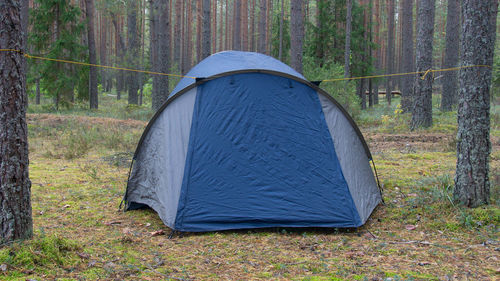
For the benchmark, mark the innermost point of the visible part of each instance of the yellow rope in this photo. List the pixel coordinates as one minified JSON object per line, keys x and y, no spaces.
{"x":177,"y":75}
{"x":95,"y":65}
{"x":407,"y":73}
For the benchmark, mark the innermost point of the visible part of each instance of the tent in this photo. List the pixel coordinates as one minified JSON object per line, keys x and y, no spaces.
{"x":250,"y":143}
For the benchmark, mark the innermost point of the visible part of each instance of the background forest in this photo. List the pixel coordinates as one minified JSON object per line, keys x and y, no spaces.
{"x":83,"y":124}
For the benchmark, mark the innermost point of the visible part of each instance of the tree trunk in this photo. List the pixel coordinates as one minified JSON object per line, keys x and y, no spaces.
{"x":347,"y":50}
{"x":163,"y":32}
{"x":252,"y":27}
{"x":422,"y":98}
{"x":450,"y":79}
{"x":221,"y":27}
{"x":15,"y":186}
{"x":378,"y":56}
{"x":390,"y":50}
{"x":92,"y":54}
{"x":103,"y":49}
{"x":205,"y":44}
{"x":244,"y":25}
{"x":237,"y":25}
{"x":280,"y":52}
{"x":214,"y":25}
{"x":189,"y":35}
{"x":37,"y":95}
{"x":133,"y":51}
{"x":262,"y":27}
{"x":472,"y":186}
{"x":120,"y":47}
{"x":177,"y":32}
{"x":407,"y":60}
{"x":198,"y":29}
{"x":296,"y":35}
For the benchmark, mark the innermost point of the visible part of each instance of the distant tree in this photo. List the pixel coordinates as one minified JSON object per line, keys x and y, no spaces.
{"x":177,"y":32}
{"x":15,"y":186}
{"x":280,"y":54}
{"x":347,"y":49}
{"x":261,"y":43}
{"x":237,"y":25}
{"x":133,"y":51}
{"x":93,"y":97}
{"x":296,"y":35}
{"x":57,"y":34}
{"x":120,"y":53}
{"x":205,"y":43}
{"x":162,"y":63}
{"x":450,"y":79}
{"x":244,"y":25}
{"x":390,"y":50}
{"x":407,"y":59}
{"x":472,"y":186}
{"x":422,"y":97}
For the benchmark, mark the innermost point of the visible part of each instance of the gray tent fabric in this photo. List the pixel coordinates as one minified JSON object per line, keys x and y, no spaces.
{"x":158,"y":170}
{"x":353,"y":160}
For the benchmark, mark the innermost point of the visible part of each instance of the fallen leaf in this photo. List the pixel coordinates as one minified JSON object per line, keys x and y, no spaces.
{"x":83,"y":255}
{"x":410,"y":227}
{"x":158,"y":232}
{"x":3,"y":267}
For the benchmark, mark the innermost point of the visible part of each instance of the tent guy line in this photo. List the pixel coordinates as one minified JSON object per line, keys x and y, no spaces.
{"x":191,"y":77}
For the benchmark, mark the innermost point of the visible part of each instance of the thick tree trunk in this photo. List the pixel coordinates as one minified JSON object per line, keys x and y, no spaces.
{"x":472,"y":186}
{"x":422,"y":97}
{"x":15,"y":186}
{"x":237,"y":25}
{"x":450,"y":79}
{"x":390,"y":50}
{"x":205,"y":42}
{"x":92,"y":54}
{"x":262,"y":27}
{"x":407,"y":60}
{"x":296,"y":35}
{"x":133,"y":51}
{"x":162,"y":65}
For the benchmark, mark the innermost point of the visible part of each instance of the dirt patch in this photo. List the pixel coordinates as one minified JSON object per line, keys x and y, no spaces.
{"x":411,"y":142}
{"x":53,"y":120}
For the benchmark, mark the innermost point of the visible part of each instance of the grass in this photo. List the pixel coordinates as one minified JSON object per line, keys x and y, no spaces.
{"x":79,"y":164}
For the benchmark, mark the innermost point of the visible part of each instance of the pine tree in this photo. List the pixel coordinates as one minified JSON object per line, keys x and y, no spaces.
{"x":93,"y":97}
{"x":450,"y":78}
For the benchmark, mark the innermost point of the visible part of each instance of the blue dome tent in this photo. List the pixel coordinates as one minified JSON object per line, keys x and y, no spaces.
{"x":251,"y":143}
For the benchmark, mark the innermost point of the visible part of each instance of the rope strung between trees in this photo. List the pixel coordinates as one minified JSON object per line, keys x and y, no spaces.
{"x":191,"y":77}
{"x":95,"y":65}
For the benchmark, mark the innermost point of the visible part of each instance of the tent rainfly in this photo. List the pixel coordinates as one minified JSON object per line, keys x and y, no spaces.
{"x":252,"y":144}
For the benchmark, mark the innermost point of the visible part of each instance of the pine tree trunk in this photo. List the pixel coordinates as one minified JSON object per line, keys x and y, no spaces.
{"x":92,"y":55}
{"x":296,"y":35}
{"x":198,"y":29}
{"x":37,"y":95}
{"x":189,"y":35}
{"x":205,"y":43}
{"x":15,"y":186}
{"x":177,"y":32}
{"x":237,"y":25}
{"x":163,"y":62}
{"x":450,"y":78}
{"x":390,"y":50}
{"x":347,"y":50}
{"x":262,"y":27}
{"x":280,"y":51}
{"x":472,"y":186}
{"x":221,"y":27}
{"x":378,"y":56}
{"x":102,"y":51}
{"x":422,"y":97}
{"x":120,"y":48}
{"x":407,"y":55}
{"x":252,"y":27}
{"x":214,"y":25}
{"x":133,"y":51}
{"x":244,"y":25}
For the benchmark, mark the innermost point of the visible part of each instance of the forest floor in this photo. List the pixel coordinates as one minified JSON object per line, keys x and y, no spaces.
{"x":79,"y":167}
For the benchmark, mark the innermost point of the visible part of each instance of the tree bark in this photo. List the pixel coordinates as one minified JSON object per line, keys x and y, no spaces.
{"x":390,"y":50}
{"x":280,"y":52}
{"x":214,"y":25}
{"x":160,"y":82}
{"x":450,"y":78}
{"x":15,"y":186}
{"x":347,"y":50}
{"x":133,"y":51}
{"x":244,"y":25}
{"x":472,"y":186}
{"x":177,"y":32}
{"x":189,"y":35}
{"x":296,"y":35}
{"x":237,"y":25}
{"x":262,"y":27}
{"x":378,"y":56}
{"x":205,"y":44}
{"x":407,"y":60}
{"x":120,"y":47}
{"x":93,"y":97}
{"x":252,"y":27}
